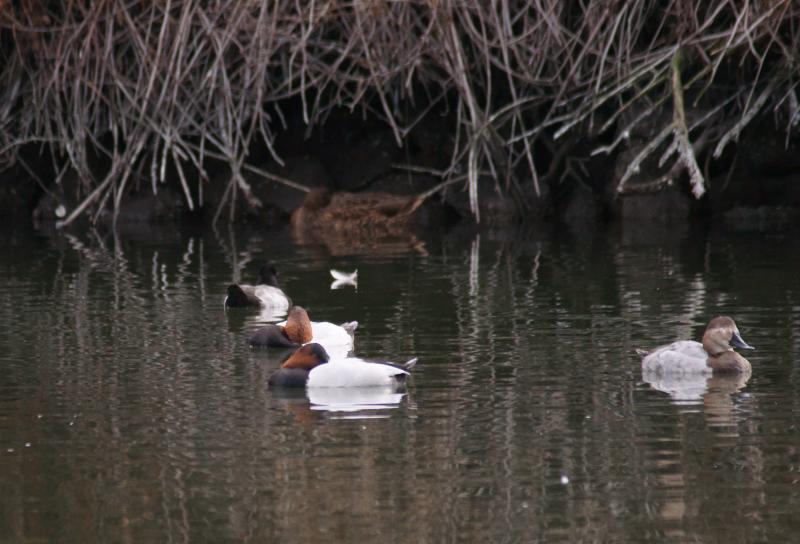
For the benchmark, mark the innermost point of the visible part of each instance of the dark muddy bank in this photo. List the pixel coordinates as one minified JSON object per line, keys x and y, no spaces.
{"x":758,"y":189}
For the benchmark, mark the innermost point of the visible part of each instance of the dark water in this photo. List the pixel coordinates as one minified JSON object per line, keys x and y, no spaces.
{"x":131,"y":408}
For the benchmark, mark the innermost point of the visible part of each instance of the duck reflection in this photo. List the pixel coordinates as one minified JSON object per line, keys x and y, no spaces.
{"x":241,"y":321}
{"x":267,"y":314}
{"x":340,"y":403}
{"x":717,"y":397}
{"x":352,"y":399}
{"x":692,"y":388}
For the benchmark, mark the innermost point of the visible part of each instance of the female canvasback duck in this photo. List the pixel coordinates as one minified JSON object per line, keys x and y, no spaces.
{"x":714,"y":355}
{"x":311,"y":366}
{"x":265,"y":293}
{"x":298,"y":329}
{"x":377,"y":213}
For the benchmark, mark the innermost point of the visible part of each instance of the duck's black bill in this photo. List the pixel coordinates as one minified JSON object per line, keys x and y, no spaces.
{"x":737,"y":342}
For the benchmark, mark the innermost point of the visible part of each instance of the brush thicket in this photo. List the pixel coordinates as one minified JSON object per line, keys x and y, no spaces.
{"x":176,"y":83}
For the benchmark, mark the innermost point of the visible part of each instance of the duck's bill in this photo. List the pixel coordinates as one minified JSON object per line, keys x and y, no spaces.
{"x":738,"y":342}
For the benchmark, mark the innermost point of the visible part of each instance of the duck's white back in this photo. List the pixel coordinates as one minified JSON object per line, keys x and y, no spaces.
{"x":353,"y":372}
{"x":685,"y":356}
{"x":271,"y":297}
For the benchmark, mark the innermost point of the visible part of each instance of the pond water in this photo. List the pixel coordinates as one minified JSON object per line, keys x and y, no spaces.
{"x":132,"y":408}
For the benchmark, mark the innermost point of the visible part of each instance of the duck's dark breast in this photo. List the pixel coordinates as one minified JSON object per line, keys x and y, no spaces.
{"x":271,"y":336}
{"x":289,"y":377}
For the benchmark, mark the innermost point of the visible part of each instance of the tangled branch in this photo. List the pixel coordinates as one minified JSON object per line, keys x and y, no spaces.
{"x":180,"y":82}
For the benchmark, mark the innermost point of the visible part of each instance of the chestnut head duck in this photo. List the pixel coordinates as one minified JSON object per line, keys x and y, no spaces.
{"x":292,"y":333}
{"x":265,"y":293}
{"x":714,"y":355}
{"x":337,"y":339}
{"x":311,"y":366}
{"x":298,"y":329}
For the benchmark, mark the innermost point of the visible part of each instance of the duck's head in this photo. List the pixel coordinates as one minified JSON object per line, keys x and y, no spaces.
{"x":307,"y":357}
{"x":722,"y":335}
{"x":316,"y":199}
{"x":298,"y":326}
{"x":268,"y":275}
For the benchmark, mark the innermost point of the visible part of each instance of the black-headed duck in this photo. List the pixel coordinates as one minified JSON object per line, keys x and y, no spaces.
{"x":264,"y":294}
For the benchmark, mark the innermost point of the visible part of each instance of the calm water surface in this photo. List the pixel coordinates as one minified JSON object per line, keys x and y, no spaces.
{"x":132,"y":409}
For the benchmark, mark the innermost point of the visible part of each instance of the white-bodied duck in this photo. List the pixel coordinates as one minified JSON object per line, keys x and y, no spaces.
{"x":265,"y":294}
{"x":311,"y":366}
{"x":714,"y":355}
{"x":298,"y":329}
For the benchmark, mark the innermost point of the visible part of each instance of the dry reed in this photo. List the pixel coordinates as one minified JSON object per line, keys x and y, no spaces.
{"x":178,"y":82}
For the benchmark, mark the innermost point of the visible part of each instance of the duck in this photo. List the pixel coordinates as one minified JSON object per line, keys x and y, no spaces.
{"x":298,"y":329}
{"x":378,"y":213}
{"x":713,"y":356}
{"x":292,"y":333}
{"x":310,"y":366}
{"x":348,"y":223}
{"x":265,"y":293}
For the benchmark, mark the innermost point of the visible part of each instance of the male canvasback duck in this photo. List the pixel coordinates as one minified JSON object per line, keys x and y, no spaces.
{"x":311,"y":366}
{"x":265,"y":293}
{"x":298,"y":329}
{"x":714,"y":355}
{"x":292,"y":333}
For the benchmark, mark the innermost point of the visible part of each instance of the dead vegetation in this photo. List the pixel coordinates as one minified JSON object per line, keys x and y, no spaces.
{"x":154,"y":86}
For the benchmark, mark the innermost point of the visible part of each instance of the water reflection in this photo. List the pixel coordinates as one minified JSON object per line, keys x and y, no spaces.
{"x":268,"y":315}
{"x":158,"y":425}
{"x":358,"y":399}
{"x":690,"y":388}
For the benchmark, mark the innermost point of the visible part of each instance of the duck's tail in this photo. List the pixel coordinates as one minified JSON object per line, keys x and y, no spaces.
{"x":350,"y":327}
{"x":408,"y":365}
{"x":641,"y":352}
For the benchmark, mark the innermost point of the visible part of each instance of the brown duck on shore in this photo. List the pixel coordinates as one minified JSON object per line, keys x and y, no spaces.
{"x":345,"y":222}
{"x":379,"y":214}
